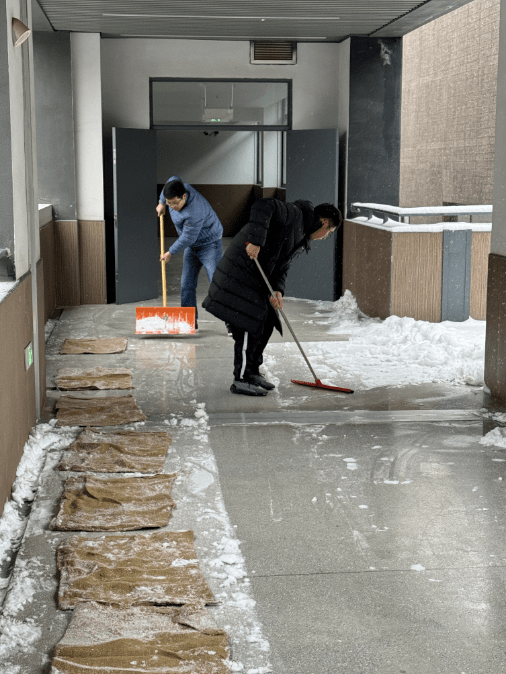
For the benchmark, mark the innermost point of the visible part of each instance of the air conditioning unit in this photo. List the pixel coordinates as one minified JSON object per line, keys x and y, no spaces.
{"x":273,"y":52}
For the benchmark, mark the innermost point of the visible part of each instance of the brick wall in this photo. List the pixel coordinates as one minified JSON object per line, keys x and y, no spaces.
{"x":448,"y":108}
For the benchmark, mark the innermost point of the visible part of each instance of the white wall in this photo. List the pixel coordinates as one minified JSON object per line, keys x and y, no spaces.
{"x":87,"y":99}
{"x":127,"y":65}
{"x":228,"y":158}
{"x":498,"y":244}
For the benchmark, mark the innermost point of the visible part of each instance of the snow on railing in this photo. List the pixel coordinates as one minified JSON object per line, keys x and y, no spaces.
{"x":384,"y":210}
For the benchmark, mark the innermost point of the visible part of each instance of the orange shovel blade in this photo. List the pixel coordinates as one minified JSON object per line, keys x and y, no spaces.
{"x":165,"y":320}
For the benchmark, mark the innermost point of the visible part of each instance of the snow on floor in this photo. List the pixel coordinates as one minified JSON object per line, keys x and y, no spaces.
{"x":18,"y":634}
{"x":393,"y":352}
{"x":200,"y":507}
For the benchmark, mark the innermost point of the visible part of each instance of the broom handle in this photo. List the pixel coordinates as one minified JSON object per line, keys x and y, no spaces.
{"x":286,"y":319}
{"x":162,"y":248}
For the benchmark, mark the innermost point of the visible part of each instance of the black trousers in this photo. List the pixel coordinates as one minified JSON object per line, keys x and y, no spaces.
{"x":249,"y":347}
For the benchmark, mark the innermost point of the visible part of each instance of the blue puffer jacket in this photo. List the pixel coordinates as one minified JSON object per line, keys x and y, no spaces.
{"x":196,"y":223}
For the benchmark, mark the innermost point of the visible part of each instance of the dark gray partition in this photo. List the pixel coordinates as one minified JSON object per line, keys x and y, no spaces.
{"x":456,"y":284}
{"x":312,"y":173}
{"x":136,"y":243}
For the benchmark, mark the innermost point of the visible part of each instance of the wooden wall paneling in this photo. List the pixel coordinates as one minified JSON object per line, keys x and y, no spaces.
{"x":47,"y":253}
{"x":67,"y":263}
{"x":417,"y":259}
{"x":92,"y":261}
{"x":17,"y":385}
{"x":495,"y":345}
{"x":349,"y":257}
{"x":480,"y":251}
{"x":42,"y":335}
{"x":367,"y":255}
{"x":231,"y":203}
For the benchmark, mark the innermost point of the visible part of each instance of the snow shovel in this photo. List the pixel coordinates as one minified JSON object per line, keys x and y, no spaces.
{"x":164,"y":320}
{"x":316,"y":383}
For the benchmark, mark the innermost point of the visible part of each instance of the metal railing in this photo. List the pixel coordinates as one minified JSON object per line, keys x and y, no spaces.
{"x":404,"y":214}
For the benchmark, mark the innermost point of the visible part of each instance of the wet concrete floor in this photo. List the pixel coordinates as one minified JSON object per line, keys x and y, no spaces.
{"x":372,"y":525}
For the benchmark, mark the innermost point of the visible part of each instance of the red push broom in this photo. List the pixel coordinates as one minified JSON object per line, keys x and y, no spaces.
{"x":317,"y":383}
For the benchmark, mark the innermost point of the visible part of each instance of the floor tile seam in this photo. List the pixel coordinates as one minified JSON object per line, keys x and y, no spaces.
{"x":375,"y":571}
{"x":357,"y":417}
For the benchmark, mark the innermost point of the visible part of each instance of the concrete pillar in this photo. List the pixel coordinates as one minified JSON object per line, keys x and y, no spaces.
{"x":6,"y":189}
{"x":19,"y":228}
{"x":495,"y":350}
{"x":55,"y":123}
{"x":87,"y":98}
{"x":17,"y":174}
{"x":369,"y":120}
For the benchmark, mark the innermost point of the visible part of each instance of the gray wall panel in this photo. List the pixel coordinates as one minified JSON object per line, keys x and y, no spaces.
{"x":137,"y":249}
{"x":311,"y":173}
{"x":55,"y":123}
{"x":374,"y":132}
{"x":456,"y":286}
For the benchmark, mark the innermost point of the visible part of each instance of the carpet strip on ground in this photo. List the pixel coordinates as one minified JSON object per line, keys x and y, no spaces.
{"x":132,"y":570}
{"x":101,"y":378}
{"x":124,"y":589}
{"x":75,"y":410}
{"x":91,"y":503}
{"x":94,"y":345}
{"x":120,"y":452}
{"x":163,"y":640}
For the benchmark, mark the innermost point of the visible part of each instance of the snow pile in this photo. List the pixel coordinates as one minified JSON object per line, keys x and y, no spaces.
{"x":12,"y":524}
{"x":17,"y":635}
{"x":343,"y":315}
{"x":393,"y":352}
{"x":43,"y":438}
{"x":199,"y":498}
{"x":495,"y":438}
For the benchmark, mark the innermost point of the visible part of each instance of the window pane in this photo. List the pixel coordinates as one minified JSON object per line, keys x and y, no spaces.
{"x":220,"y":103}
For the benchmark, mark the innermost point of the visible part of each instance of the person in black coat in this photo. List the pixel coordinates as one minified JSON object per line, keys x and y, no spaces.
{"x":238,"y":295}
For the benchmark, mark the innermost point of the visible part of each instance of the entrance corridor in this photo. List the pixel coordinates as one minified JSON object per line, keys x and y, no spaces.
{"x":365,"y":534}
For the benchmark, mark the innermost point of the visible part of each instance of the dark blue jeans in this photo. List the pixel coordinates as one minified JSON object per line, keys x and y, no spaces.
{"x":196,"y":257}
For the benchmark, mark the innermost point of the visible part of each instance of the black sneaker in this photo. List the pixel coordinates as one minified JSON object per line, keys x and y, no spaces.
{"x":258,"y":380}
{"x":247,"y":389}
{"x":229,"y":329}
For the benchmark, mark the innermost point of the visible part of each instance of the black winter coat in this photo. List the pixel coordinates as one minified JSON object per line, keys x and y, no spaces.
{"x":238,"y":294}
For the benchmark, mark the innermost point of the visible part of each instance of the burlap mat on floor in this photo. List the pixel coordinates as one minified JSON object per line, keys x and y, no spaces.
{"x":102,"y":639}
{"x":91,"y":503}
{"x":122,"y":452}
{"x":131,"y":570}
{"x":103,"y":378}
{"x":109,"y":411}
{"x":94,"y":345}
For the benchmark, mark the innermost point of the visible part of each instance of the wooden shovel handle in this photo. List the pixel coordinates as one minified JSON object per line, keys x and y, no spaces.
{"x":162,"y":249}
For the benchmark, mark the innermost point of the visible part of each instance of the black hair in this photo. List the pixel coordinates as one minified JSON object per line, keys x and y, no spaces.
{"x":174,"y":190}
{"x":329,"y":211}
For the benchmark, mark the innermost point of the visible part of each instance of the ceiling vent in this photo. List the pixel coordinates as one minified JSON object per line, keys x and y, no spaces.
{"x":269,"y":52}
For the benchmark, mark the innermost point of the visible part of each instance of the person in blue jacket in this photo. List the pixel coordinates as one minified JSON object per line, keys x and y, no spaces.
{"x":199,"y":235}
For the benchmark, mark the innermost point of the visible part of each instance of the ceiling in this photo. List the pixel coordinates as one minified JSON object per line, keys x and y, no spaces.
{"x":294,"y":20}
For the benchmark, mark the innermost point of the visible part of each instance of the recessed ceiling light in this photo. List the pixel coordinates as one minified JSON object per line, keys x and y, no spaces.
{"x":219,"y":17}
{"x":225,"y":38}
